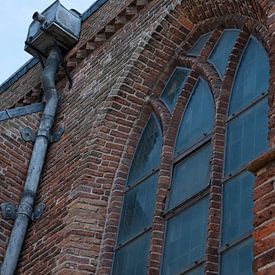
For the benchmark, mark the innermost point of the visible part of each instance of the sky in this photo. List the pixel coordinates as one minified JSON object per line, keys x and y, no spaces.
{"x":15,"y":18}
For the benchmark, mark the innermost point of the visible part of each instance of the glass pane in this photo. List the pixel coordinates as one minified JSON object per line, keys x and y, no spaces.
{"x":190,"y":176}
{"x":196,"y":271}
{"x":220,"y":55}
{"x":185,"y":238}
{"x":237,"y":207}
{"x":147,"y":156}
{"x":238,"y":259}
{"x":252,"y":76}
{"x":196,"y":49}
{"x":246,"y":136}
{"x":132,"y":258}
{"x":174,"y":87}
{"x":198,"y":119}
{"x":138,"y":209}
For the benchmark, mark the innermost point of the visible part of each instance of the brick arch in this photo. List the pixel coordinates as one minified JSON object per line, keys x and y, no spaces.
{"x":161,"y":111}
{"x":153,"y":62}
{"x":228,"y":21}
{"x":118,"y":186}
{"x":205,"y":70}
{"x":198,"y":10}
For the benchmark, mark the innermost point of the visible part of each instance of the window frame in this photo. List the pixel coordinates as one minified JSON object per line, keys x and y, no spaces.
{"x":182,"y":155}
{"x":234,"y":174}
{"x":127,"y":188}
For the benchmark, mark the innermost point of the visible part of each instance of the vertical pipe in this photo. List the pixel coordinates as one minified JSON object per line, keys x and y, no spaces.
{"x":41,"y":144}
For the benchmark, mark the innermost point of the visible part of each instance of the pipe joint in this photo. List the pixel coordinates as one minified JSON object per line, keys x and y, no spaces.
{"x":44,"y":133}
{"x":25,"y":209}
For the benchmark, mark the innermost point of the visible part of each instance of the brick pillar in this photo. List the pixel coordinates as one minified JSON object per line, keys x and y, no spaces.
{"x":264,"y":213}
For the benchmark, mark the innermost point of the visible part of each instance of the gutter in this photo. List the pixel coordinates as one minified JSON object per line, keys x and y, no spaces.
{"x":32,"y":62}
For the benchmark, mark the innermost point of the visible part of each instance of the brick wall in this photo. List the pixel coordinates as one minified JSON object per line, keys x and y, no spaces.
{"x":114,"y":70}
{"x":14,"y":158}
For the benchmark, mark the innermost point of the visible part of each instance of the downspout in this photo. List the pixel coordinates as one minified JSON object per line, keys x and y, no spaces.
{"x":42,"y":141}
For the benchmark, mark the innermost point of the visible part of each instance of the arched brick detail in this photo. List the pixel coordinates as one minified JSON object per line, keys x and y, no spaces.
{"x":218,"y":145}
{"x":103,"y":123}
{"x":205,"y":70}
{"x":117,"y":193}
{"x":228,"y":21}
{"x":177,"y":45}
{"x":198,"y":10}
{"x":161,"y":111}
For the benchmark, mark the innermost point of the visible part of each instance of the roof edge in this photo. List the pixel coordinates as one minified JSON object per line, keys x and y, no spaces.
{"x":32,"y":62}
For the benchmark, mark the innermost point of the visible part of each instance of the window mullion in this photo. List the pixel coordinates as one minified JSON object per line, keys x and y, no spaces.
{"x":252,"y":103}
{"x":235,"y":242}
{"x":123,"y":244}
{"x":192,"y":149}
{"x":187,"y":203}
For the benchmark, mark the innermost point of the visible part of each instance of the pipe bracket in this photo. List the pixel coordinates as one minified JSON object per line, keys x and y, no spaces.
{"x":57,"y":135}
{"x":27,"y":134}
{"x":8,"y":210}
{"x":38,"y":211}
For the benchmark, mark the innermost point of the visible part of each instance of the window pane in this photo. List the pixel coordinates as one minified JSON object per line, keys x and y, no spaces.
{"x":238,"y":259}
{"x":198,"y":118}
{"x":147,"y":156}
{"x":185,"y":238}
{"x":237,"y":207}
{"x":246,"y":136}
{"x":196,"y":49}
{"x":138,"y":209}
{"x":252,"y":76}
{"x":174,"y":87}
{"x":220,"y":55}
{"x":132,"y":258}
{"x":190,"y":176}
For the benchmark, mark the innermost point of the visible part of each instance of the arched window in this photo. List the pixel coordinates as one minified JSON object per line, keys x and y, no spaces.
{"x":246,"y":138}
{"x":198,"y":200}
{"x":187,"y":207}
{"x":133,"y":241}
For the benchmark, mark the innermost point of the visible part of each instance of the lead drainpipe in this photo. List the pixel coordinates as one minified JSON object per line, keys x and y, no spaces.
{"x":43,"y":138}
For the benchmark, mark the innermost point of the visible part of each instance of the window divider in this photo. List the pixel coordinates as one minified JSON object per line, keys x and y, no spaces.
{"x":187,"y":203}
{"x":193,"y":266}
{"x":235,"y":242}
{"x":148,"y":175}
{"x":234,"y":174}
{"x":145,"y":230}
{"x":194,"y":148}
{"x":254,"y":102}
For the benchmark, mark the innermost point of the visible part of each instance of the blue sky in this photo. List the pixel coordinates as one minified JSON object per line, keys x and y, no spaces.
{"x":15,"y":18}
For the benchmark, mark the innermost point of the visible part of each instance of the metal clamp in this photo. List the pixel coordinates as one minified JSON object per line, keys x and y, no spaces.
{"x":27,"y":134}
{"x":10,"y":211}
{"x":38,"y":211}
{"x":57,"y":135}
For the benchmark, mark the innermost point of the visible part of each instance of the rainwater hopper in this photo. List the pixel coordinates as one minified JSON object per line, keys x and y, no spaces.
{"x":55,"y":25}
